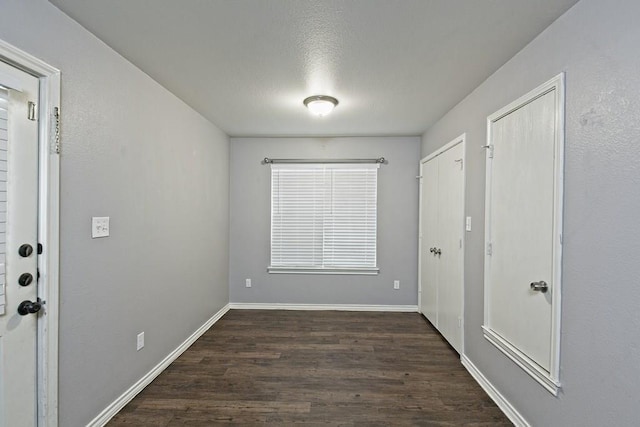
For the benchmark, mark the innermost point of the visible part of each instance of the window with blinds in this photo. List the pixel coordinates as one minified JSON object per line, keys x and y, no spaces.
{"x":323,"y":218}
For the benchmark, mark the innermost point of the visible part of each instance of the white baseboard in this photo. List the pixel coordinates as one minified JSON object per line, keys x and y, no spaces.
{"x":115,"y":407}
{"x":326,"y":307}
{"x":506,"y":407}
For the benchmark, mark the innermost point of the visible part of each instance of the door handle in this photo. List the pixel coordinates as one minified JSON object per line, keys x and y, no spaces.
{"x":540,"y":286}
{"x":29,"y":307}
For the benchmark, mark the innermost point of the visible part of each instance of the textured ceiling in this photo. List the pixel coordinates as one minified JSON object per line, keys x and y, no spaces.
{"x":396,"y":66}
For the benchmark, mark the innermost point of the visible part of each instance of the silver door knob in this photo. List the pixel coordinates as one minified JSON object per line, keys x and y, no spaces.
{"x":540,"y":286}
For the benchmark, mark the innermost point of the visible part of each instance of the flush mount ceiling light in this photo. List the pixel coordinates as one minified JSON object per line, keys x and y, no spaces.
{"x":320,"y":105}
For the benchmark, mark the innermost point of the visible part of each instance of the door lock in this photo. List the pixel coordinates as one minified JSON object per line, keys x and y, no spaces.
{"x":29,"y":307}
{"x":25,"y":250}
{"x":540,"y":286}
{"x":25,"y":279}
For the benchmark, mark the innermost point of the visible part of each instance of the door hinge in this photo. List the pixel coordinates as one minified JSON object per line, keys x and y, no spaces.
{"x":490,"y":148}
{"x":31,"y":111}
{"x":489,"y":249}
{"x":56,"y":130}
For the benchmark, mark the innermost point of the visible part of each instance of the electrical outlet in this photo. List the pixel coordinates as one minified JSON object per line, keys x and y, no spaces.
{"x":99,"y":226}
{"x":140,"y":341}
{"x":247,"y":283}
{"x":396,"y":284}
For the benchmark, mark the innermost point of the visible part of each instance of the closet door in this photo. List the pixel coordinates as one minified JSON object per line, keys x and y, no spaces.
{"x":449,"y":258}
{"x":429,"y":237}
{"x":441,"y":240}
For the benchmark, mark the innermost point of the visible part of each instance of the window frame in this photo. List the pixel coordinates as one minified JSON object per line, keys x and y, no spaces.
{"x":330,"y":188}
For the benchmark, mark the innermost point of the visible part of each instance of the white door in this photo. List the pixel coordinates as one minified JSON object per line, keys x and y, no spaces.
{"x":428,"y":240}
{"x":524,"y":194}
{"x":441,"y":252}
{"x":18,"y":247}
{"x":450,"y":252}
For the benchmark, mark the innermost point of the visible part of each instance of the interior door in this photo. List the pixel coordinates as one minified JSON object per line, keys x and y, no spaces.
{"x":18,"y":247}
{"x":429,"y":237}
{"x":521,"y":227}
{"x":450,"y":252}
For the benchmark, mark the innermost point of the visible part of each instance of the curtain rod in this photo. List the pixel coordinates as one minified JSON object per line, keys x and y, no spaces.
{"x":267,"y":160}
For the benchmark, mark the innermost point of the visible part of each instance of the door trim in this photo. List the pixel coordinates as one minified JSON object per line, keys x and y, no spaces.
{"x":459,"y":140}
{"x":549,"y":380}
{"x":48,"y":227}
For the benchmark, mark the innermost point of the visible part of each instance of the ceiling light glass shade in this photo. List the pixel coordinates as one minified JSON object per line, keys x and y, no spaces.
{"x":320,"y":105}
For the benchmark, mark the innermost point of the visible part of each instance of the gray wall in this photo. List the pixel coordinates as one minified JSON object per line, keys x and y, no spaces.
{"x":397,"y":223}
{"x":596,"y":43}
{"x":134,"y":152}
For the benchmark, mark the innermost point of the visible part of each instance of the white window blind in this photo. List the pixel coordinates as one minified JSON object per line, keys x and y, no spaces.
{"x":323,"y":218}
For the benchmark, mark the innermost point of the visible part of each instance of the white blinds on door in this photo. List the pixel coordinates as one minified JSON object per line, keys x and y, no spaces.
{"x":323,"y":218}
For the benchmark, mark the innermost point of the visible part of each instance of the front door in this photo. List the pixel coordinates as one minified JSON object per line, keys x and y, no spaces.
{"x":523,"y":231}
{"x":18,"y":247}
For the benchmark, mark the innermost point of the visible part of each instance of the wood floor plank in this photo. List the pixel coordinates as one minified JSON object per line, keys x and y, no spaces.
{"x":315,"y":368}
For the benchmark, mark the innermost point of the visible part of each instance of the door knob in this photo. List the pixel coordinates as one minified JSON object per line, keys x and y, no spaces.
{"x":25,"y":250}
{"x":29,"y":307}
{"x":540,"y":286}
{"x":25,"y":279}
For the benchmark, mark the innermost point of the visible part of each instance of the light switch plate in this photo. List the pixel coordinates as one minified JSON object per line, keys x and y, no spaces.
{"x":99,"y":226}
{"x":468,"y":224}
{"x":140,"y":341}
{"x":396,"y":284}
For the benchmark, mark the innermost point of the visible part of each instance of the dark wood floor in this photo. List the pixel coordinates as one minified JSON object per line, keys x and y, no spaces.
{"x":315,"y":368}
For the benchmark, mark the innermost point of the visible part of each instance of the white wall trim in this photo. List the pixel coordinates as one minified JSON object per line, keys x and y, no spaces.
{"x":514,"y":416}
{"x":49,"y":228}
{"x":522,"y":360}
{"x":111,"y":410}
{"x":326,"y":307}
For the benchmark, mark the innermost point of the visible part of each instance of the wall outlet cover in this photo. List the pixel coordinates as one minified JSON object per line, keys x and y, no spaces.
{"x":396,"y":284}
{"x":247,"y":283}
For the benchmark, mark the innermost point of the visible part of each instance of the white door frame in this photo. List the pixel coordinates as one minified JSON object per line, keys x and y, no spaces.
{"x":549,"y":380}
{"x":459,"y":140}
{"x":48,"y":225}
